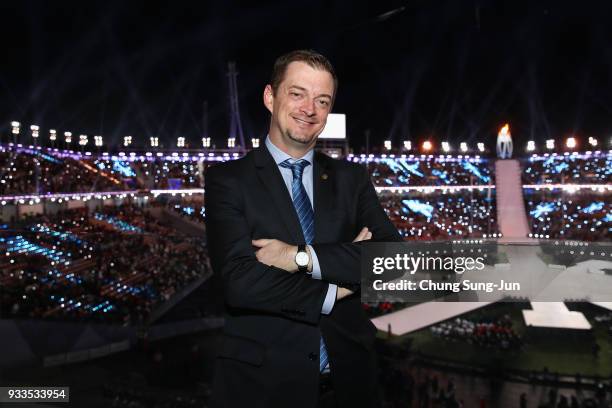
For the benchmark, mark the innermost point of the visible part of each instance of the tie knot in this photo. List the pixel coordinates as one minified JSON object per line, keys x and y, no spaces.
{"x":297,"y":167}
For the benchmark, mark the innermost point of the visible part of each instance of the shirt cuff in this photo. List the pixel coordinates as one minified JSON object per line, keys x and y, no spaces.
{"x":316,"y":268}
{"x":330,"y":299}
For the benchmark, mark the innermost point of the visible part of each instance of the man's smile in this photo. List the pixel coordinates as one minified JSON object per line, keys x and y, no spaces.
{"x":303,"y":122}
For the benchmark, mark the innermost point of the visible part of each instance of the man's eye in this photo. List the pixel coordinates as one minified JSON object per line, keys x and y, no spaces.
{"x":324,"y":103}
{"x":295,"y":94}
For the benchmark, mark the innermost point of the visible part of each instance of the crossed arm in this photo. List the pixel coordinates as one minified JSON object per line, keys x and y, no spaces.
{"x":277,"y":253}
{"x":262,"y":279}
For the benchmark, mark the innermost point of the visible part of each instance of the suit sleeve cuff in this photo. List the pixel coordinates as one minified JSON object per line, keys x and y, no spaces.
{"x":316,"y":267}
{"x":330,"y":299}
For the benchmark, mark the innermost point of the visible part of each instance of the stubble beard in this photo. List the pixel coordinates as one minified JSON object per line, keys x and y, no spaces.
{"x":305,"y":140}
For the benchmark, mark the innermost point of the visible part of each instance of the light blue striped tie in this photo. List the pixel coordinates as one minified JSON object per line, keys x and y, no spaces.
{"x":303,"y":207}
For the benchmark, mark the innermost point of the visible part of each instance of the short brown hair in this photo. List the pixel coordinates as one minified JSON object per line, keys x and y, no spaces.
{"x":310,"y":57}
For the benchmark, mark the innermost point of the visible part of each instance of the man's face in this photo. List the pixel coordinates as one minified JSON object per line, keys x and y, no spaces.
{"x":300,"y":105}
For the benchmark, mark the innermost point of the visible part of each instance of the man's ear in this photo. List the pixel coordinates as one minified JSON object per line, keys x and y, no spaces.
{"x":268,"y":97}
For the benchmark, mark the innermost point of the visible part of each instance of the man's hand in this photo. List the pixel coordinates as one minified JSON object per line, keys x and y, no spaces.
{"x":276,"y":253}
{"x":343,"y":292}
{"x":363,"y":235}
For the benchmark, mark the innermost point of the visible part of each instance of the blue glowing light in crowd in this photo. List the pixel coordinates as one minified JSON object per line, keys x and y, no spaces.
{"x":20,"y":245}
{"x":123,"y":168}
{"x":595,"y":206}
{"x":117,"y":223}
{"x":561,"y":166}
{"x":608,"y":217}
{"x":548,"y":162}
{"x":119,"y":166}
{"x":188,"y":210}
{"x":412,"y":168}
{"x":64,"y":236}
{"x":474,"y":170}
{"x":419,"y":207}
{"x":441,"y":175}
{"x":543,"y":208}
{"x":48,"y":158}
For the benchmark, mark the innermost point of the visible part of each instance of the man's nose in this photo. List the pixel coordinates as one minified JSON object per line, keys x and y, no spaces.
{"x":308,"y":107}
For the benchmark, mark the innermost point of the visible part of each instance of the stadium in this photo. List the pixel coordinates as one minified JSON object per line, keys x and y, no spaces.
{"x":104,"y":261}
{"x":483,"y":128}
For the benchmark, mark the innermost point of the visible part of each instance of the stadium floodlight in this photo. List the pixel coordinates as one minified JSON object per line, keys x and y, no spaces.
{"x":570,"y":142}
{"x":15,"y":127}
{"x":83,"y":140}
{"x":445,"y":146}
{"x":407,"y":144}
{"x":35,"y":131}
{"x":98,"y":141}
{"x":531,"y":146}
{"x":180,"y":142}
{"x":68,"y":137}
{"x":231,"y":142}
{"x":255,"y":142}
{"x":154,"y":141}
{"x":387,"y":144}
{"x":206,"y":142}
{"x":427,"y":145}
{"x":127,"y":141}
{"x":463,"y":147}
{"x":481,"y":146}
{"x":550,"y":144}
{"x":52,"y":135}
{"x":592,"y":141}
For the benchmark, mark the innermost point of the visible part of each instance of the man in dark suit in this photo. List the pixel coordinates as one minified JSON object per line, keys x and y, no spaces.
{"x":283,"y":229}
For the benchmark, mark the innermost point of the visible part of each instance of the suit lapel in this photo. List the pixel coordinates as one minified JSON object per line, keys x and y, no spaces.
{"x":270,"y":176}
{"x":323,"y":184}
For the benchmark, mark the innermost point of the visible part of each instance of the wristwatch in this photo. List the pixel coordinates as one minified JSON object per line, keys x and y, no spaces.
{"x":302,"y":259}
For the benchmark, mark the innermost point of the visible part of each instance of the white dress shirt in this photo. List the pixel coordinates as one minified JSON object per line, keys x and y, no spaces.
{"x":279,"y":157}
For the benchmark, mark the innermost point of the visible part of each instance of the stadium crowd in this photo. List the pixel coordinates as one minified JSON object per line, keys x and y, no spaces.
{"x":583,"y":215}
{"x":189,"y":211}
{"x":115,"y":265}
{"x":34,"y":172}
{"x":429,"y":171}
{"x":454,"y":215}
{"x":575,"y":168}
{"x":171,"y":174}
{"x":495,"y":334}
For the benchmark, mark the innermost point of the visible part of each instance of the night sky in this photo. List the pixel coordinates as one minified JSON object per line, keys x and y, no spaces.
{"x":447,"y":70}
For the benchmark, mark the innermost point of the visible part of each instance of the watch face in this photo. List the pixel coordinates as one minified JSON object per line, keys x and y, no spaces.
{"x":301,"y":259}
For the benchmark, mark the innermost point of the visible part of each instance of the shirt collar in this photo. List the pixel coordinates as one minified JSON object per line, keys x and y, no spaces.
{"x":279,"y":156}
